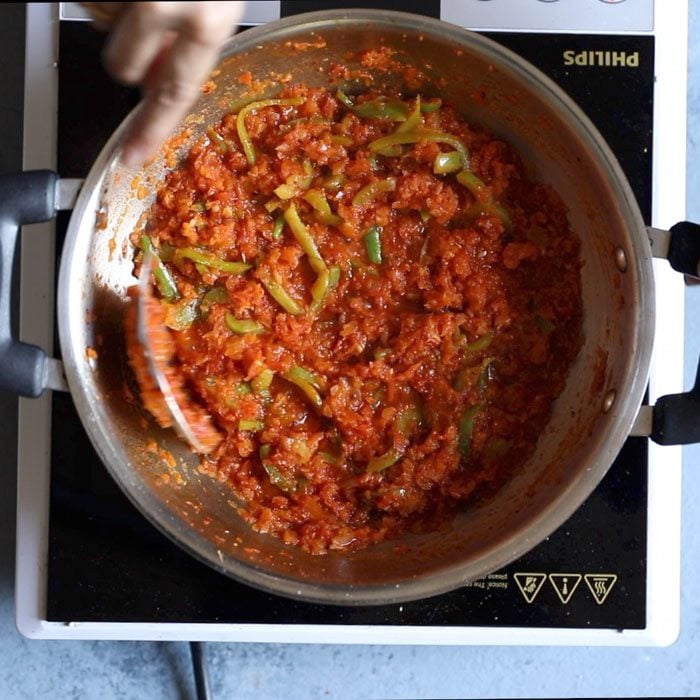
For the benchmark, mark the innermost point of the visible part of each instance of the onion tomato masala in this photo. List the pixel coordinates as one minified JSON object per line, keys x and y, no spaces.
{"x":372,"y":302}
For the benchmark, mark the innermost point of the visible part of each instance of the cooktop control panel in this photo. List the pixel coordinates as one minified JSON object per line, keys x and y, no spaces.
{"x":603,"y":16}
{"x":255,"y":11}
{"x":551,"y":15}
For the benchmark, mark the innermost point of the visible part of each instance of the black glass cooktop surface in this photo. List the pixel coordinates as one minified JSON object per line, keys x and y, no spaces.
{"x":108,"y":564}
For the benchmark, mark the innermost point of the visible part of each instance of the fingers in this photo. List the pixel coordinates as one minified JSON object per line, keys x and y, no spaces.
{"x":103,"y":14}
{"x":134,"y":43}
{"x":169,"y":48}
{"x":173,"y":90}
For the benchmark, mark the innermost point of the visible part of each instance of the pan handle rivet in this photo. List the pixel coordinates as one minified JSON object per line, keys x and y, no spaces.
{"x":620,"y":259}
{"x":609,"y":400}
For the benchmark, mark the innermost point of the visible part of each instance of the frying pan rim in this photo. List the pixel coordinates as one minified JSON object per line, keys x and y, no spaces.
{"x":509,"y":547}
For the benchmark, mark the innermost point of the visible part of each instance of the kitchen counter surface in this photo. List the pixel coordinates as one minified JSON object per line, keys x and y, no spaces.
{"x":159,"y":670}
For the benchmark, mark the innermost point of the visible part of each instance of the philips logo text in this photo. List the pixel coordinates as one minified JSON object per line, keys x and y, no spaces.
{"x":621,"y":59}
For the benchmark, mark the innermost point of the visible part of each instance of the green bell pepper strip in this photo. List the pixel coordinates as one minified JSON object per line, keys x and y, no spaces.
{"x":276,"y":477}
{"x":330,"y":457}
{"x":319,"y":290}
{"x":308,"y":376}
{"x":304,"y":181}
{"x":414,"y":119}
{"x":182,"y":314}
{"x":431,"y":105}
{"x":296,"y":183}
{"x":341,"y":140}
{"x":390,"y":151}
{"x":486,"y":374}
{"x":308,"y":245}
{"x":202,"y":257}
{"x":345,"y":100}
{"x":280,"y":295}
{"x":261,"y":384}
{"x":445,"y":163}
{"x":304,"y":237}
{"x":493,"y":209}
{"x":362,"y":267}
{"x":278,"y":226}
{"x":243,"y":135}
{"x":309,"y":390}
{"x":334,"y":182}
{"x":407,"y":420}
{"x":243,"y":326}
{"x":239,"y":390}
{"x":369,"y":192}
{"x":215,"y":295}
{"x":503,"y":215}
{"x":243,"y":389}
{"x":254,"y":426}
{"x":218,"y":140}
{"x":466,"y":429}
{"x":377,"y":108}
{"x":166,"y":251}
{"x":479,"y":344}
{"x":302,"y":449}
{"x":317,"y":199}
{"x":286,"y":191}
{"x":388,"y":459}
{"x":418,"y":135}
{"x":373,"y":244}
{"x":474,"y":184}
{"x":477,"y":186}
{"x":272,"y":204}
{"x":468,"y":376}
{"x":464,"y":378}
{"x":333,"y":277}
{"x":165,"y":282}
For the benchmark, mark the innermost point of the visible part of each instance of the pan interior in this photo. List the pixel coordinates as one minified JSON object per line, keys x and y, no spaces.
{"x":559,"y":146}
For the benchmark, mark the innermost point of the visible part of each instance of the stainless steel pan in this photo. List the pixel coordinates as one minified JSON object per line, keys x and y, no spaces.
{"x":591,"y":419}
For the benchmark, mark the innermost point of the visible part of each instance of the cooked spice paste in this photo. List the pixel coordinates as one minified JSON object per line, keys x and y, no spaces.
{"x":373,"y":303}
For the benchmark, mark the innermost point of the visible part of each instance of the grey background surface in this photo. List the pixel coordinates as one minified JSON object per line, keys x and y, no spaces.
{"x":155,"y":670}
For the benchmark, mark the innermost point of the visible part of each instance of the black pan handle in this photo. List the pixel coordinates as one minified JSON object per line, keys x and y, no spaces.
{"x":684,"y":248}
{"x":25,"y":198}
{"x":676,"y":417}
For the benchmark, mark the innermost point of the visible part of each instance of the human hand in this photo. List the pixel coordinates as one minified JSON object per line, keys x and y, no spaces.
{"x":168,"y":48}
